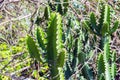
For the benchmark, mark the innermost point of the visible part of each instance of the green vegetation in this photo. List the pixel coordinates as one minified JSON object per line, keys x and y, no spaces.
{"x":60,"y":40}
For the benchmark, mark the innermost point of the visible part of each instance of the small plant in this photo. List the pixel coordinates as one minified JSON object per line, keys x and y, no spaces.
{"x":51,"y":46}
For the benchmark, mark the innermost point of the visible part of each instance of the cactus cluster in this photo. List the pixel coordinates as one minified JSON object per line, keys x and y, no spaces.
{"x":51,"y":46}
{"x":106,"y":60}
{"x":77,"y":57}
{"x":103,"y":28}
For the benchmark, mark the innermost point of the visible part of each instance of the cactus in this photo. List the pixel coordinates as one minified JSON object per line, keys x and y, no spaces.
{"x":52,"y":45}
{"x":75,"y":58}
{"x":40,"y":35}
{"x":55,"y":50}
{"x":33,"y":49}
{"x":100,"y":67}
{"x":103,"y":29}
{"x":103,"y":63}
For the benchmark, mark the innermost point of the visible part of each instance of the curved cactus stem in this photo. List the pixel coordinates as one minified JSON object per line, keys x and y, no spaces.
{"x":101,"y":19}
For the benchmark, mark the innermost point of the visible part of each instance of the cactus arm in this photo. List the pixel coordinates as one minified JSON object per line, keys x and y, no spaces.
{"x":41,"y":38}
{"x":51,"y":46}
{"x":113,"y":70}
{"x":101,"y":19}
{"x":54,"y":44}
{"x":33,"y":49}
{"x":106,"y":23}
{"x":100,"y":66}
{"x":107,"y":71}
{"x":114,"y":27}
{"x":106,"y":60}
{"x":113,"y":65}
{"x":107,"y":14}
{"x":107,"y":49}
{"x":93,"y":21}
{"x":51,"y":37}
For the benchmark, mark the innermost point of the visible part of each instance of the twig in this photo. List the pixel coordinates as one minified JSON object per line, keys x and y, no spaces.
{"x":20,"y":70}
{"x":15,"y":19}
{"x":75,"y":12}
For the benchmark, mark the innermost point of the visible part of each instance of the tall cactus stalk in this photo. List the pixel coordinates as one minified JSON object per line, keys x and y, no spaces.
{"x":106,"y":63}
{"x":52,"y":45}
{"x":55,"y":52}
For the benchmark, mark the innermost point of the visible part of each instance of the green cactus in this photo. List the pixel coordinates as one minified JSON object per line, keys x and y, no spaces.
{"x":52,"y":45}
{"x":103,"y":29}
{"x":100,"y":67}
{"x":106,"y":60}
{"x":77,"y":57}
{"x":113,"y":65}
{"x":104,"y":65}
{"x":40,"y":35}
{"x":55,"y":45}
